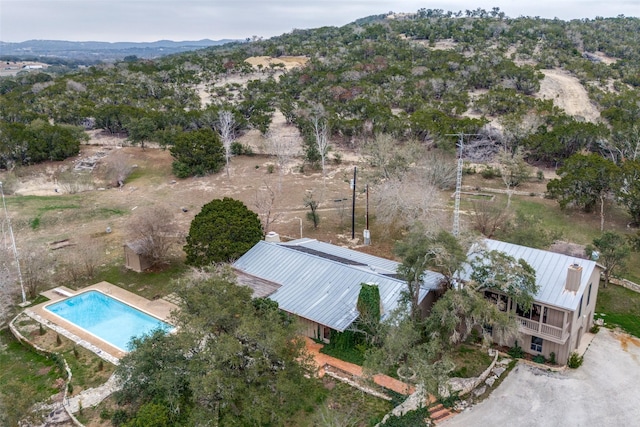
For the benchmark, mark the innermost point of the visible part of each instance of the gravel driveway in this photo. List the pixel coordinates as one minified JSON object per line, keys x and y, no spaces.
{"x":605,"y":391}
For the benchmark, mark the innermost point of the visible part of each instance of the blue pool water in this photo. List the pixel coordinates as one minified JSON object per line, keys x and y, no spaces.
{"x":107,"y":318}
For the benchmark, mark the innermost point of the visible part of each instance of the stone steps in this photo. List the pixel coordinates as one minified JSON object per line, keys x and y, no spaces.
{"x":438,"y":413}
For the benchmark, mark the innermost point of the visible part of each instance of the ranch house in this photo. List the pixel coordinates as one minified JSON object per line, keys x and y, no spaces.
{"x":563,"y":307}
{"x":320,"y":282}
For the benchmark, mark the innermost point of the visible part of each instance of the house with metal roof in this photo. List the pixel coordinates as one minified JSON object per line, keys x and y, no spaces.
{"x":563,"y":307}
{"x":320,"y":282}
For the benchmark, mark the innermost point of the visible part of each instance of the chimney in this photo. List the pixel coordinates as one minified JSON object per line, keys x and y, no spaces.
{"x":574,"y":277}
{"x":272,"y":236}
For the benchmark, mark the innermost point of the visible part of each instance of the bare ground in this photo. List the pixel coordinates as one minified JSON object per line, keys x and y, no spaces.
{"x":568,"y":93}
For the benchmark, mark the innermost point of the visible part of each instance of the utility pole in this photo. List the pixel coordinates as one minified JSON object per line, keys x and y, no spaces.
{"x":366,"y":234}
{"x":353,"y":205}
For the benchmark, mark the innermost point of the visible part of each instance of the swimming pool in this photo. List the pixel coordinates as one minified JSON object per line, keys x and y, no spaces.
{"x":106,"y":318}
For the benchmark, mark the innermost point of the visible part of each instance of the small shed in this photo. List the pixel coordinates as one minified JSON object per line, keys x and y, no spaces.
{"x":134,"y":256}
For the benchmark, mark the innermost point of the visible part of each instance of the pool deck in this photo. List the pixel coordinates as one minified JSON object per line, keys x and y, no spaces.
{"x":159,"y":308}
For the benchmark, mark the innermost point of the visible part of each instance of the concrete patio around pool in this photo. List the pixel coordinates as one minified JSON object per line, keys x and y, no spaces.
{"x":159,"y":308}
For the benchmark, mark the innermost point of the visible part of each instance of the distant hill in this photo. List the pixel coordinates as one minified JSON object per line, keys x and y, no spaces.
{"x":93,"y":50}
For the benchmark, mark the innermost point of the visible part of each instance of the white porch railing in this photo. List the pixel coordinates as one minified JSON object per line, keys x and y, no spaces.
{"x":543,"y":330}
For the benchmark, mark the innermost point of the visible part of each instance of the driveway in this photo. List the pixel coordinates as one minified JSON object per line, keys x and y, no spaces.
{"x":604,"y":391}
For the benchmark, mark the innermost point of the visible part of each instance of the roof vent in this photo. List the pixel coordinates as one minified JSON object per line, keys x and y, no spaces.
{"x":574,"y":278}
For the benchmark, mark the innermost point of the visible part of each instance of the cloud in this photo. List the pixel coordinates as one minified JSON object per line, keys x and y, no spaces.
{"x":149,"y":20}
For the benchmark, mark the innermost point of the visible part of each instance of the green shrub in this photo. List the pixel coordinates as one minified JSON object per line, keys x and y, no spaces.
{"x":468,"y":170}
{"x":540,"y":175}
{"x":594,"y":329}
{"x":41,"y":329}
{"x":271,"y":168}
{"x":450,"y":401}
{"x":490,"y":173}
{"x":539,"y":359}
{"x":238,"y":149}
{"x":58,"y":340}
{"x":516,"y":351}
{"x":552,"y":358}
{"x":575,"y":360}
{"x":119,"y":417}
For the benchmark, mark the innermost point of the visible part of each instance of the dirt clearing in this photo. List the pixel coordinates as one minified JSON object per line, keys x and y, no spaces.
{"x":567,"y":93}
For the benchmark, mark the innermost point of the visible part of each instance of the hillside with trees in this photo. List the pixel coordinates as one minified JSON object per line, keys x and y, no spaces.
{"x":231,"y":142}
{"x":418,"y":78}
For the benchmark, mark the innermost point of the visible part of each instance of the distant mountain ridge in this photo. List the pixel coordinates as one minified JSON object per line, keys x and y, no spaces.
{"x":102,"y":50}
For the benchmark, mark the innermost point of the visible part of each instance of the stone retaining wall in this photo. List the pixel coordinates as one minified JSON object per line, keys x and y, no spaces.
{"x":466,"y":385}
{"x":625,"y":284}
{"x":24,"y":340}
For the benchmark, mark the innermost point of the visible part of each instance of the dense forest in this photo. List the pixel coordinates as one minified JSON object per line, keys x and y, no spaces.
{"x":416,"y":77}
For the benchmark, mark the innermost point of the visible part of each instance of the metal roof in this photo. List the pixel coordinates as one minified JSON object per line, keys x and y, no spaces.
{"x":551,"y":272}
{"x":321,"y":288}
{"x":381,"y":265}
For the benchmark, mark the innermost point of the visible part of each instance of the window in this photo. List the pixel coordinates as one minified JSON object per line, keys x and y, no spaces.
{"x":536,"y":344}
{"x":589,"y":294}
{"x":580,"y":307}
{"x":499,"y":300}
{"x":326,"y":333}
{"x":533,"y":314}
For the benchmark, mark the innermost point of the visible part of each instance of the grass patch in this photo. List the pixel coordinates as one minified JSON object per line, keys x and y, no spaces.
{"x":26,"y":378}
{"x":351,"y":355}
{"x":88,"y":369}
{"x":136,"y":173}
{"x":619,"y":306}
{"x":35,"y":222}
{"x":39,"y":300}
{"x":470,"y":361}
{"x":151,"y":285}
{"x":344,"y":405}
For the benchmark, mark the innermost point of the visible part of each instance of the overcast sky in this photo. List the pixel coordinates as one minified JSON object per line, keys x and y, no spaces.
{"x":151,"y":20}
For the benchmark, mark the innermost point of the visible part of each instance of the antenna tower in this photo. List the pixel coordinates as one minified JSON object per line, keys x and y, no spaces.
{"x":456,"y":207}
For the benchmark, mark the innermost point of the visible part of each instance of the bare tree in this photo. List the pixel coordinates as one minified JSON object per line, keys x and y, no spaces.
{"x":264,"y":202}
{"x":313,"y":205}
{"x":82,"y":260}
{"x":284,"y":148}
{"x":90,"y":255}
{"x":385,"y":155}
{"x":489,"y":218}
{"x":321,"y":133}
{"x":514,"y":170}
{"x":155,"y":231}
{"x":623,"y":146}
{"x":74,"y":182}
{"x":226,"y":126}
{"x":403,"y":201}
{"x":117,"y":167}
{"x":36,"y":266}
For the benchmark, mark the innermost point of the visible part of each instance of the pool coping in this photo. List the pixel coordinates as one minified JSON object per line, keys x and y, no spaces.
{"x":159,"y":308}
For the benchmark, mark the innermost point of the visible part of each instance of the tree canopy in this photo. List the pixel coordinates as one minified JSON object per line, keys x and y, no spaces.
{"x":197,"y":153}
{"x":231,"y":362}
{"x":584,"y":179}
{"x":223,"y":231}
